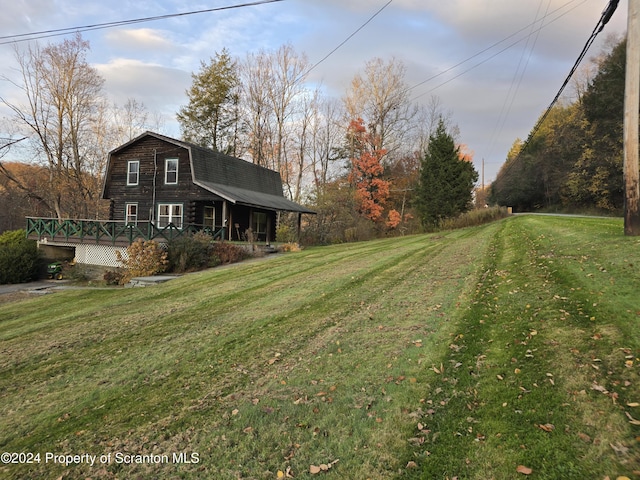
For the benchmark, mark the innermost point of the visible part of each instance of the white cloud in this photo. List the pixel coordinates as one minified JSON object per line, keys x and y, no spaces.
{"x":153,"y":64}
{"x":161,"y":89}
{"x":142,"y":39}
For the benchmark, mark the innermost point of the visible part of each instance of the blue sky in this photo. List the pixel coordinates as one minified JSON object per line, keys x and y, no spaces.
{"x":153,"y":62}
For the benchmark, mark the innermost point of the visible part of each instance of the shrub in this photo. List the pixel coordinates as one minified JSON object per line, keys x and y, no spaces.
{"x":229,"y":253}
{"x":285,"y":234}
{"x":19,"y":259}
{"x":190,"y":253}
{"x":290,"y":247}
{"x":113,"y":277}
{"x":143,"y":258}
{"x":475,"y":217}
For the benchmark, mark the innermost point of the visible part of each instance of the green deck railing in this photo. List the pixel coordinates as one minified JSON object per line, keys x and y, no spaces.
{"x":108,"y":231}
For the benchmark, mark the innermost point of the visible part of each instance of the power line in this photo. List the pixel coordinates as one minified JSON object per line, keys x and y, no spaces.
{"x":433,"y":77}
{"x":343,"y":42}
{"x":98,"y":26}
{"x":604,"y":19}
{"x":517,"y":80}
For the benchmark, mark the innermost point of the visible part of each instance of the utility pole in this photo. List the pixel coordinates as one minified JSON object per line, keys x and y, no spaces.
{"x":631,"y":119}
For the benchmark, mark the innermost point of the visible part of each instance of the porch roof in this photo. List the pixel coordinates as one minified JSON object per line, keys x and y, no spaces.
{"x":253,"y":198}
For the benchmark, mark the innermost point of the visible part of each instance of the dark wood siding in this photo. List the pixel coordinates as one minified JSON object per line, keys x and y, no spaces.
{"x":152,"y":153}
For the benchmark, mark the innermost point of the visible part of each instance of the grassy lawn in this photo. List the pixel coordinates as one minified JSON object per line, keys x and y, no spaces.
{"x":503,"y":351}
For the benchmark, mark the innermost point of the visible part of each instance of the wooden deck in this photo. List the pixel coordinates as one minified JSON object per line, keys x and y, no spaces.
{"x":107,"y":232}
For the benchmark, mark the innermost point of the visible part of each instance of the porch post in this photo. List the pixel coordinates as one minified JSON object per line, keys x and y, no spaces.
{"x":224,"y":220}
{"x":299,"y":228}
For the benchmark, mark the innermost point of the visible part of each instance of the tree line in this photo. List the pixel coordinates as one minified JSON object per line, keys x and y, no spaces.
{"x":356,"y":161}
{"x":359,"y":161}
{"x":574,"y":161}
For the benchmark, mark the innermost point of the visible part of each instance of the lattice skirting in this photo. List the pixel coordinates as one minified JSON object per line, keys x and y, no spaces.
{"x":103,"y":255}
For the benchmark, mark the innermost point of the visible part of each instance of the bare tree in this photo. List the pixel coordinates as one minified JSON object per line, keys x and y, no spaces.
{"x":326,"y":135}
{"x":380,"y":97}
{"x":287,"y":97}
{"x":62,"y":93}
{"x":274,"y":100}
{"x":255,"y":74}
{"x":427,"y":119}
{"x":130,"y":120}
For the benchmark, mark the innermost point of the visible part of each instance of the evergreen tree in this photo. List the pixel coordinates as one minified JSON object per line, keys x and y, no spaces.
{"x":446,"y":180}
{"x":211,"y":117}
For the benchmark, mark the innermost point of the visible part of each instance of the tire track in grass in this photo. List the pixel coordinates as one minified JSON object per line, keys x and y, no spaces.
{"x":354,"y":349}
{"x":506,"y":397}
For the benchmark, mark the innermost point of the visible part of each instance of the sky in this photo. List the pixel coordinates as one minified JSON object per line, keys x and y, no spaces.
{"x":489,"y":68}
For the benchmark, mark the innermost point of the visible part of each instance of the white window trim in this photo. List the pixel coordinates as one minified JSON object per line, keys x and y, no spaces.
{"x":127,"y":216}
{"x":166,"y":171}
{"x":171,"y":217}
{"x":129,"y":163}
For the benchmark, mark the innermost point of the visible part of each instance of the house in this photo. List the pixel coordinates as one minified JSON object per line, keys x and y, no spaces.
{"x":161,"y":188}
{"x":166,"y":181}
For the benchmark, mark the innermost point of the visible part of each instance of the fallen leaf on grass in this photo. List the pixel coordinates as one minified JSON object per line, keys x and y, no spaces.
{"x":524,"y":470}
{"x":619,"y":448}
{"x":547,"y":427}
{"x":584,"y":437}
{"x":632,"y":420}
{"x":599,"y":388}
{"x":323,"y":467}
{"x":285,"y":474}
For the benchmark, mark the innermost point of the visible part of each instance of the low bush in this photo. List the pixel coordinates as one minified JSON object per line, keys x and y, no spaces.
{"x":474,"y":218}
{"x":228,"y":253}
{"x":113,"y":277}
{"x":290,"y":247}
{"x":144,"y":258}
{"x":19,"y":258}
{"x":190,"y":253}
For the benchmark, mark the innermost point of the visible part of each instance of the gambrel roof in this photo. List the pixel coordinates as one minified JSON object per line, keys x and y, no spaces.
{"x":233,"y":179}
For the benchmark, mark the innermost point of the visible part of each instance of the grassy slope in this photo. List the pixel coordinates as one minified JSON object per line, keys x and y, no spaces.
{"x":420,"y":357}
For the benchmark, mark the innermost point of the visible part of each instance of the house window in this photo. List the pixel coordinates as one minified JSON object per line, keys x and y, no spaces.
{"x":170,"y":213}
{"x":133,"y":172}
{"x":131,"y":214}
{"x":259,"y":224}
{"x":171,"y":171}
{"x":209,"y":217}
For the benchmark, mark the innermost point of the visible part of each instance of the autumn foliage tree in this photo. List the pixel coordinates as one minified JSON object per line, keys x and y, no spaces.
{"x":366,"y":172}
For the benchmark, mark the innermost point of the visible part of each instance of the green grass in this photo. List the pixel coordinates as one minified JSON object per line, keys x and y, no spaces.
{"x":434,"y":356}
